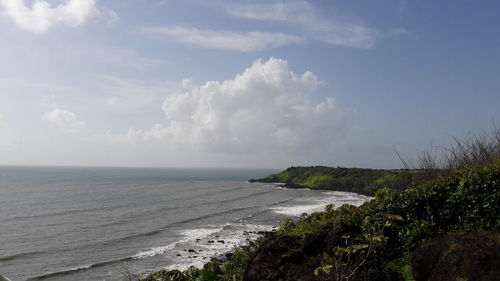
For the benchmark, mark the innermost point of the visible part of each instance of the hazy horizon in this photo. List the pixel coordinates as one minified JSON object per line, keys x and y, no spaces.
{"x":243,"y":84}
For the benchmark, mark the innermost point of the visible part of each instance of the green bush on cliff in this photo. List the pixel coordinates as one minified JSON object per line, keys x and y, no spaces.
{"x":466,"y":201}
{"x":365,"y":181}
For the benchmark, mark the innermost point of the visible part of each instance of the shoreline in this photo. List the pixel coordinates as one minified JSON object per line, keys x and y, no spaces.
{"x":289,"y":185}
{"x":245,"y":238}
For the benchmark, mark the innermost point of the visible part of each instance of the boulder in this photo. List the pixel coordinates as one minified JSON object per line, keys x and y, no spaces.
{"x":467,"y":256}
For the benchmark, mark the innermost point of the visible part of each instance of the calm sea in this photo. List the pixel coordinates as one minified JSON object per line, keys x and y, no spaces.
{"x":69,"y":223}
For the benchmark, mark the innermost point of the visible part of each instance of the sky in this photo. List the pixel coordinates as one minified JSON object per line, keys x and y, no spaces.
{"x":225,"y":83}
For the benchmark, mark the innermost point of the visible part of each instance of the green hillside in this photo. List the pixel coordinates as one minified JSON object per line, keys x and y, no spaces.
{"x":364,"y":181}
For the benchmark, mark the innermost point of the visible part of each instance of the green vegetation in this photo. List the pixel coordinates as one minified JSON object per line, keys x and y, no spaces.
{"x":386,"y":229}
{"x":364,"y":181}
{"x":455,"y":209}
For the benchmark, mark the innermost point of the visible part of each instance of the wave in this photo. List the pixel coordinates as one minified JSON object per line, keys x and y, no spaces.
{"x":66,"y":212}
{"x":190,"y":234}
{"x":149,"y":212}
{"x":148,"y":233}
{"x":337,"y":198}
{"x":17,"y":256}
{"x":107,"y":208}
{"x":78,"y":269}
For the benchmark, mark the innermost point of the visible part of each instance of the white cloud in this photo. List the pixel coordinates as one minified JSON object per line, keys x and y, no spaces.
{"x":225,"y":40}
{"x":110,"y":16}
{"x":187,"y":82}
{"x":336,"y":31}
{"x":43,"y":15}
{"x":65,"y":120}
{"x":267,"y":107}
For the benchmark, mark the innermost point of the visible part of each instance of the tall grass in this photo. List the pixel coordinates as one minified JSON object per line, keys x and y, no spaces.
{"x":478,"y":149}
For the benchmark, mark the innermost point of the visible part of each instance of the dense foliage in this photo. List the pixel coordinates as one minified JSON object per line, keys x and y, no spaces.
{"x":386,"y":229}
{"x":467,"y":201}
{"x":364,"y":181}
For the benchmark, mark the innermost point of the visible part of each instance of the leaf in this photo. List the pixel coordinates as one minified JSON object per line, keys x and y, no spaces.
{"x":394,"y":217}
{"x":359,"y":246}
{"x":378,"y":238}
{"x":325,"y":268}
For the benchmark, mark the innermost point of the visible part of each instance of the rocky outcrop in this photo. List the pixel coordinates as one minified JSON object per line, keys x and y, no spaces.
{"x":465,"y":256}
{"x":289,"y":258}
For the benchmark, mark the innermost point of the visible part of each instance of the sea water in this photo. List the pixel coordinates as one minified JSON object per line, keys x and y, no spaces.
{"x":73,"y":223}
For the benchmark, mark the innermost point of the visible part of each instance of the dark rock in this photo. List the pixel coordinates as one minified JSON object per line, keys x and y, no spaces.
{"x":191,"y":251}
{"x":211,"y":241}
{"x":291,"y":258}
{"x":229,"y":255}
{"x":472,"y":256}
{"x":221,"y":241}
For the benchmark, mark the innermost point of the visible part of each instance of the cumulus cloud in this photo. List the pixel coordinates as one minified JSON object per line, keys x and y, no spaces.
{"x":336,"y":31}
{"x":225,"y":40}
{"x":266,"y":107}
{"x":187,"y":82}
{"x":43,"y":15}
{"x":64,"y":119}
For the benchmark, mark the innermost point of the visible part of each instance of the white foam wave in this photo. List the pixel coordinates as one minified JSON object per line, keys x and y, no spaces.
{"x":233,"y":235}
{"x":189,"y":236}
{"x":337,"y":198}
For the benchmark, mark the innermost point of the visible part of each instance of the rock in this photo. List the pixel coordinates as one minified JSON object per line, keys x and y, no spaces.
{"x":472,"y":256}
{"x":191,"y":251}
{"x":211,"y":241}
{"x":229,"y":255}
{"x":293,"y":258}
{"x":178,"y":255}
{"x":221,"y":241}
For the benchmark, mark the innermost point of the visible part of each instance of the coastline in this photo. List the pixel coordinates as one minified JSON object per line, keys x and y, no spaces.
{"x":243,"y":239}
{"x":290,"y":185}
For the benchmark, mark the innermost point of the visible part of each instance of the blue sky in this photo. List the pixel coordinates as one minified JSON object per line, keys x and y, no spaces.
{"x":243,"y":83}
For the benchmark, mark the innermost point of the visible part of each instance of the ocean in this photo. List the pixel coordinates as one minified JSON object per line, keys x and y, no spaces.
{"x":74,"y":223}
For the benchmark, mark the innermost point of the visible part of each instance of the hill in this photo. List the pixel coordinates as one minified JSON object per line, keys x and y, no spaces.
{"x":359,"y":180}
{"x":400,"y":235}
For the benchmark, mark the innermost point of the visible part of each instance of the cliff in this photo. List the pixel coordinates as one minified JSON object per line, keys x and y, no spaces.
{"x":400,"y":235}
{"x":359,"y":180}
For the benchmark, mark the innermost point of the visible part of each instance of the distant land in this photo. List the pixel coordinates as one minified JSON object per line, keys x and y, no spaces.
{"x":359,"y":180}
